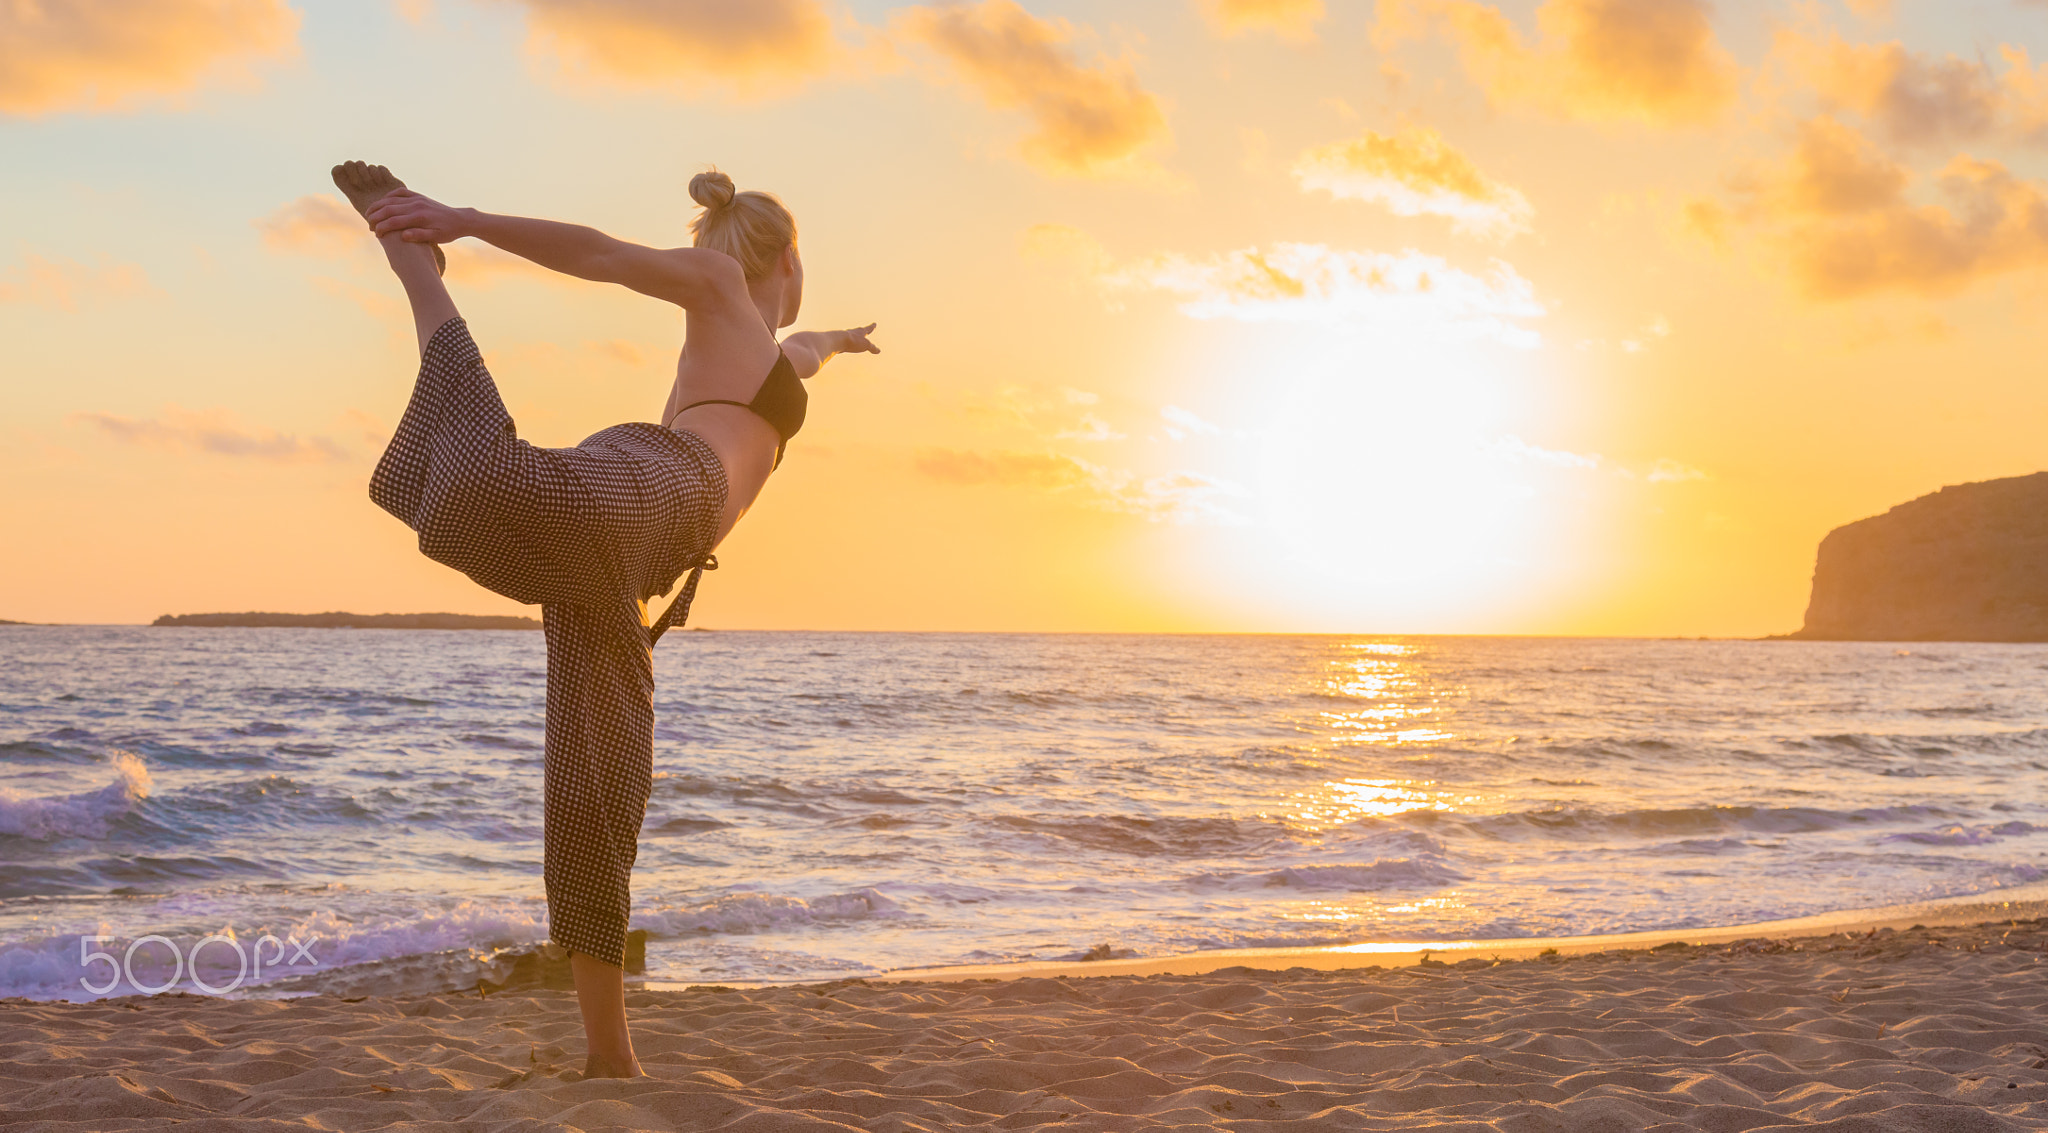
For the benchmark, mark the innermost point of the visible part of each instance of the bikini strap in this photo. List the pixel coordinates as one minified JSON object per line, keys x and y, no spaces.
{"x":713,"y":401}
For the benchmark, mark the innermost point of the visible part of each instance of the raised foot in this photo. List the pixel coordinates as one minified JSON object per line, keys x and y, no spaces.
{"x":364,"y":185}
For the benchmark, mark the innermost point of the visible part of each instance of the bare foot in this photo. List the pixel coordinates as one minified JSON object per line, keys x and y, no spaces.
{"x":595,"y":1067}
{"x":365,"y":185}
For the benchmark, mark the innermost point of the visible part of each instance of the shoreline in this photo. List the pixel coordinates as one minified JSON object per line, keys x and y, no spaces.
{"x":2020,"y":902}
{"x":1927,"y":1031}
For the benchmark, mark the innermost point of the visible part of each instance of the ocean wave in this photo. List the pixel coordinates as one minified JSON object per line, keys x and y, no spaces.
{"x":1423,"y":871}
{"x":439,"y":948}
{"x":762,"y":912}
{"x":1581,"y":823}
{"x":1963,"y":835}
{"x":1176,"y":837}
{"x":84,"y":814}
{"x":36,"y":749}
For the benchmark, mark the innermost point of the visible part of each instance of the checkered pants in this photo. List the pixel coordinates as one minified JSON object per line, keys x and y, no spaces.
{"x":589,"y":533}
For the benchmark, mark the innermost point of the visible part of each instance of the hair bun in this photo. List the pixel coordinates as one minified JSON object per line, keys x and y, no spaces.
{"x":712,"y":189}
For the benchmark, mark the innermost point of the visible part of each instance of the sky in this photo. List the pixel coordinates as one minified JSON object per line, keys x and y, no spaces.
{"x":1416,"y":316}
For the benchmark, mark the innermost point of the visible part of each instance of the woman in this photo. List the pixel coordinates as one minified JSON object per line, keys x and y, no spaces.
{"x":591,"y":533}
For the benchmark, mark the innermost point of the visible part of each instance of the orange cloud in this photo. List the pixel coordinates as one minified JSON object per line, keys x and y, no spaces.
{"x":1651,"y":61}
{"x":1174,"y":497}
{"x":1913,"y":99}
{"x":1406,"y":292}
{"x":1706,"y":219}
{"x":1416,"y":173}
{"x":107,"y":54}
{"x":1089,"y":120}
{"x":1003,"y":469}
{"x":63,"y":283}
{"x":475,"y":262}
{"x":1840,"y":210}
{"x":214,"y":432}
{"x":319,"y":224}
{"x":1294,"y":19}
{"x":688,"y":43}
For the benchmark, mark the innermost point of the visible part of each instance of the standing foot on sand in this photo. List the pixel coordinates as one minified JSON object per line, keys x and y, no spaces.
{"x":595,"y":1067}
{"x":365,"y":185}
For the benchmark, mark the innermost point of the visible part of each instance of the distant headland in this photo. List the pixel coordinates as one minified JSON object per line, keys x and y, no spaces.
{"x":1967,"y":563}
{"x":348,"y":621}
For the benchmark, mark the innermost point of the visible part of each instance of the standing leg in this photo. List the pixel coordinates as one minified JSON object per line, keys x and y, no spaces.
{"x":599,"y":770}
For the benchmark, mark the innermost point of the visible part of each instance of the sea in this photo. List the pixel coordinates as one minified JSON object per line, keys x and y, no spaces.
{"x":284,"y":811}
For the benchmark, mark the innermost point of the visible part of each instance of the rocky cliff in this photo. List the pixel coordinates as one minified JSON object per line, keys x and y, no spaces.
{"x":1968,"y":563}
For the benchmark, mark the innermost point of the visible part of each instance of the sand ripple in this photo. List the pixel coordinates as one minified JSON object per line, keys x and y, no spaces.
{"x":1929,"y":1031}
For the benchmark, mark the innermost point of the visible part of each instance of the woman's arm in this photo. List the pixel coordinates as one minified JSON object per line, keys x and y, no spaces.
{"x":808,"y":351}
{"x":687,"y":277}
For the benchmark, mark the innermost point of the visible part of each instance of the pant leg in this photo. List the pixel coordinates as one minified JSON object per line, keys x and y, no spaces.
{"x":599,"y":770}
{"x":653,"y":500}
{"x":589,"y":533}
{"x":482,"y":501}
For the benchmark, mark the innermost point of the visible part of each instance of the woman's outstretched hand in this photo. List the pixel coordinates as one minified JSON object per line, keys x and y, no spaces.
{"x":809,"y":350}
{"x":855,"y":341}
{"x":417,"y":219}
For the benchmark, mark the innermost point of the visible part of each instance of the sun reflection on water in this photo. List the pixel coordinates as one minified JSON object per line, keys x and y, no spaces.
{"x":1341,"y":802}
{"x":1382,"y":674}
{"x":1332,"y":912}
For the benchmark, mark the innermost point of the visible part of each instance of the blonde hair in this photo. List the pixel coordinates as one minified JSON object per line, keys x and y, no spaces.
{"x":752,"y":227}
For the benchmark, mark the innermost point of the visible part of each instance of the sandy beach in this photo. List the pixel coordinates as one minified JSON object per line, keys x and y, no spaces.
{"x":1928,"y":1029}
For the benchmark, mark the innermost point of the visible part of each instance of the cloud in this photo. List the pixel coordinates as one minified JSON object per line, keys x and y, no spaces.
{"x":1184,"y":497}
{"x":1706,"y":219}
{"x":1416,"y":173}
{"x":319,"y":224}
{"x":1841,"y":212}
{"x":1516,"y":449}
{"x":1184,"y":423}
{"x":59,"y":55}
{"x":1836,"y":171}
{"x":1176,"y":497}
{"x":1004,"y":469}
{"x":1045,"y":415}
{"x":1405,"y":291}
{"x":1291,"y":19}
{"x":1087,"y":120}
{"x":756,"y":47}
{"x":1669,"y":471}
{"x":1920,"y":100}
{"x":476,"y":263}
{"x":64,"y":283}
{"x":1650,"y":61}
{"x":323,"y":225}
{"x":1913,"y":99}
{"x":1090,"y":428}
{"x":214,"y":432}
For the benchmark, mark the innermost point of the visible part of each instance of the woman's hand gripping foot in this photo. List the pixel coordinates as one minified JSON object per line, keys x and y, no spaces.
{"x":367,"y":186}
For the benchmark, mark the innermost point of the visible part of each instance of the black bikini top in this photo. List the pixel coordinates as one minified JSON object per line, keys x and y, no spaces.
{"x":780,"y":401}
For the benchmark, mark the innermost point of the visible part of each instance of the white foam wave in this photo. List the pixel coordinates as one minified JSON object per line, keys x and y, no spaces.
{"x":1422,"y":871}
{"x":84,"y":814}
{"x":762,"y":912}
{"x":476,"y":926}
{"x":52,"y":967}
{"x":1963,"y":835}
